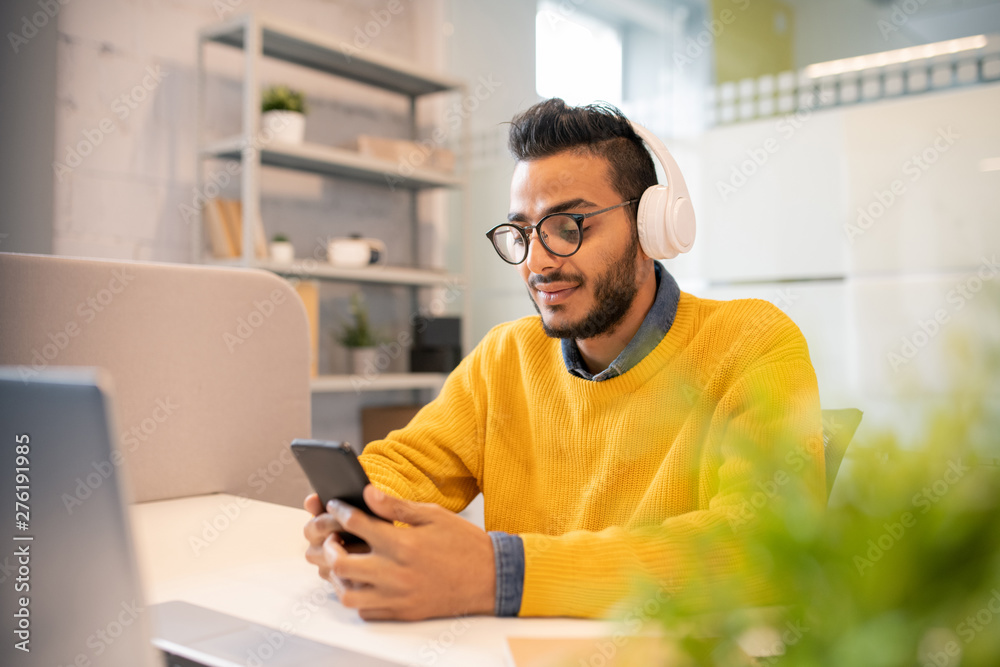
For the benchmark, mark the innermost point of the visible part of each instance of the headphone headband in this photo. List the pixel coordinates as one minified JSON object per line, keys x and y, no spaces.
{"x":666,"y":217}
{"x":659,"y":150}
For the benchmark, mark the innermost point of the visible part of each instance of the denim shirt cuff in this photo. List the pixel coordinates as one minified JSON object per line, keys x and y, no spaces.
{"x":508,"y":557}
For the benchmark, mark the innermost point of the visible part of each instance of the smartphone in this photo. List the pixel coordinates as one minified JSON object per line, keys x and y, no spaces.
{"x":334,"y":471}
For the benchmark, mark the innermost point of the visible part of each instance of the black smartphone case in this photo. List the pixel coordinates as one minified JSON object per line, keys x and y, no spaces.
{"x":334,"y":472}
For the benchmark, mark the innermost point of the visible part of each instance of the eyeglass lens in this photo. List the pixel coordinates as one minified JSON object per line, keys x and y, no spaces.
{"x":560,"y":234}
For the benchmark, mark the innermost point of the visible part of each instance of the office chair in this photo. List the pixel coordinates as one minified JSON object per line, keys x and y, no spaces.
{"x":838,"y":430}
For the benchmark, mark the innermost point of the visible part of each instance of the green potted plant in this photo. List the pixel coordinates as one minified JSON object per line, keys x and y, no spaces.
{"x":281,"y":249}
{"x":283,"y":115}
{"x":359,"y":337}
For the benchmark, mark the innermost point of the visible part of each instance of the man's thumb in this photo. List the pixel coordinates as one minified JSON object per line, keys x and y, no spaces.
{"x":394,"y":509}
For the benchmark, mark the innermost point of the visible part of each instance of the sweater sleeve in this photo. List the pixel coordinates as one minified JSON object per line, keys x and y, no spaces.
{"x":765,"y":431}
{"x":437,"y":458}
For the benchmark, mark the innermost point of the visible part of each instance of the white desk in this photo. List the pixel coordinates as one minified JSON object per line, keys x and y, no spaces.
{"x":251,"y":564}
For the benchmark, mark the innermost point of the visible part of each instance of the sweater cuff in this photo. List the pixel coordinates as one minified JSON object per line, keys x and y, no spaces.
{"x":508,"y":555}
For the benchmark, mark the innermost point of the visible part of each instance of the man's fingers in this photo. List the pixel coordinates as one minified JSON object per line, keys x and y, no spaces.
{"x":318,"y":528}
{"x":357,"y":568}
{"x":313,"y":504}
{"x":396,"y":509}
{"x":352,"y":520}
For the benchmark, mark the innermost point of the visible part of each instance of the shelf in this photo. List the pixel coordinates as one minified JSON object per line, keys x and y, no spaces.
{"x":309,"y":269}
{"x":317,"y":50}
{"x":382,"y":382}
{"x":330,"y":161}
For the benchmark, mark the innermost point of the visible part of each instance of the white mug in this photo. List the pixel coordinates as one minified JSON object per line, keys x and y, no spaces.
{"x":355,"y":252}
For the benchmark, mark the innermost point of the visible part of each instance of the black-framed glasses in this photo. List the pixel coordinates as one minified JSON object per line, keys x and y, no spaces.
{"x":560,"y":233}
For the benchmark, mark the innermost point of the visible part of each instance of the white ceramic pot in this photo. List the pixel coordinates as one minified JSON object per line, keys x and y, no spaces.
{"x":282,"y":127}
{"x":282,"y":252}
{"x":363,"y":360}
{"x":355,"y":252}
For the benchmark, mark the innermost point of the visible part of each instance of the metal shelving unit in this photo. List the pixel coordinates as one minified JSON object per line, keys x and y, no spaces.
{"x":262,"y":36}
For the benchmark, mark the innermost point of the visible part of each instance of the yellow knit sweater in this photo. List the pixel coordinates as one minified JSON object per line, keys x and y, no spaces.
{"x":611,"y":481}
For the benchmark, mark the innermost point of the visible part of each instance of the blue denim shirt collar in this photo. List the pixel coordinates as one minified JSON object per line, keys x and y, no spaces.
{"x":652,"y":330}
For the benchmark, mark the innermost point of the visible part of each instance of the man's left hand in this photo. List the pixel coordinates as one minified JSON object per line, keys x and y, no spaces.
{"x":441,"y":565}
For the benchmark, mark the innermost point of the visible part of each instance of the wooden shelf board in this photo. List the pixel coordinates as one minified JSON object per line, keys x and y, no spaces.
{"x":380,"y":382}
{"x":339,"y":162}
{"x":313,"y":269}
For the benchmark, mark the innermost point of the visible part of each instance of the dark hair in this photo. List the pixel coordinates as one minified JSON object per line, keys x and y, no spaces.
{"x":602,"y":130}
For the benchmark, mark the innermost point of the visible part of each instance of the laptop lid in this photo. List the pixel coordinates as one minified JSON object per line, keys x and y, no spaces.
{"x":70,"y":592}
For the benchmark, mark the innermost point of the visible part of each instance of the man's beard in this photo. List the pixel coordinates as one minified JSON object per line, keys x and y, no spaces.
{"x":614,"y":293}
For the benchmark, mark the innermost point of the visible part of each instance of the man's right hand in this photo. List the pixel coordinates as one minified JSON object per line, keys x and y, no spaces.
{"x":319,"y":529}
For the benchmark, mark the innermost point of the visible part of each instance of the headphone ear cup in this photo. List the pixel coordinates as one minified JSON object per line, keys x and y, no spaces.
{"x":653,"y":221}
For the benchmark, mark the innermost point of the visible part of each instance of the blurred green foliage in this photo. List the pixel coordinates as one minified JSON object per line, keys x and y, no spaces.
{"x":902,"y":568}
{"x":359,"y":332}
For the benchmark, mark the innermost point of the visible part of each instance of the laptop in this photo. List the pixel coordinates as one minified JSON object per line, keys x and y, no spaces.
{"x":70,"y":590}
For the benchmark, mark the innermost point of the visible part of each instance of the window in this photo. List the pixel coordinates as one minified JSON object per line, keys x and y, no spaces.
{"x":577,"y":57}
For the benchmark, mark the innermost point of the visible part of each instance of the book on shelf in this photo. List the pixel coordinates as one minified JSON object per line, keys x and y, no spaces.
{"x":308,"y":291}
{"x":219,"y":237}
{"x":224,"y":221}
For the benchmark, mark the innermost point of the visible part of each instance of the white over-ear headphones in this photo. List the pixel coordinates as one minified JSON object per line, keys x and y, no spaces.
{"x":666,"y":217}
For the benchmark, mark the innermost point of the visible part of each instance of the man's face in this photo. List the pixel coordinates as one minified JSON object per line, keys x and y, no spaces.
{"x":588,"y":293}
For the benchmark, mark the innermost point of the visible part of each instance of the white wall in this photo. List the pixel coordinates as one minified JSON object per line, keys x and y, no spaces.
{"x":495,"y":41}
{"x":858,"y":285}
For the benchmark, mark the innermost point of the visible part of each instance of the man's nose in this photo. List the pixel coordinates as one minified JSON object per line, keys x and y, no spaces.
{"x":539,"y":258}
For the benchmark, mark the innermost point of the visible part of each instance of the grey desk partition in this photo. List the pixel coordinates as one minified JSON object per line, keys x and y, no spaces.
{"x":210,"y":365}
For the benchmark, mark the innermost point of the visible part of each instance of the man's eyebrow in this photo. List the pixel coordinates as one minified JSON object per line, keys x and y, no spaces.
{"x":561,"y":207}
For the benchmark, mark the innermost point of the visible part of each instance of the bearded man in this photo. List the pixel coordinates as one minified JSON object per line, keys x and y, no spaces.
{"x":615,"y":436}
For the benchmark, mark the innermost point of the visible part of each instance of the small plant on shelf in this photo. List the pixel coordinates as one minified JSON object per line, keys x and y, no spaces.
{"x":282,"y":98}
{"x":358,"y":333}
{"x":283,"y":116}
{"x":282,"y":251}
{"x":359,"y":337}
